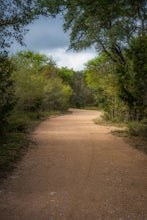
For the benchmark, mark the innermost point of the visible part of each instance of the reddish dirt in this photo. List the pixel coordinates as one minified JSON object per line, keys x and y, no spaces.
{"x":76,"y":171}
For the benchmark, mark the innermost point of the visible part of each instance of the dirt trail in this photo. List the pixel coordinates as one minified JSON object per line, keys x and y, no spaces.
{"x":76,"y":171}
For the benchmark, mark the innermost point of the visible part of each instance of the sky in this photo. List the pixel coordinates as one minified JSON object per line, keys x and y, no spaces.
{"x":46,"y":36}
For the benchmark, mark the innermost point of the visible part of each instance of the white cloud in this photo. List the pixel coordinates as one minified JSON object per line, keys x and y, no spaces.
{"x":68,"y":59}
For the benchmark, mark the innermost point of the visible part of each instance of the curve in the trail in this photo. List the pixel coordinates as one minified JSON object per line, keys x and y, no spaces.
{"x":76,"y":170}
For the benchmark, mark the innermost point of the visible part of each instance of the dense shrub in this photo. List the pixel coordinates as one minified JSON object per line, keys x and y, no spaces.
{"x":138,"y":128}
{"x":17,"y":121}
{"x":56,"y":95}
{"x":6,"y":89}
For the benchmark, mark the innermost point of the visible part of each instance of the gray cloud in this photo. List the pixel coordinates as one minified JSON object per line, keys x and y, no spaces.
{"x":46,"y":36}
{"x":46,"y":33}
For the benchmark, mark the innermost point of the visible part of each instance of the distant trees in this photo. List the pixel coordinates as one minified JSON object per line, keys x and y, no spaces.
{"x":81,"y":94}
{"x":56,"y":95}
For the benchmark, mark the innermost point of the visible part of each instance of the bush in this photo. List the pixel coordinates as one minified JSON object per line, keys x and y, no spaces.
{"x":56,"y":95}
{"x":106,"y":116}
{"x":18,"y":121}
{"x":138,"y":128}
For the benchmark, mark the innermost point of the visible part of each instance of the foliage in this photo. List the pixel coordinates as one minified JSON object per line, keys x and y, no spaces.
{"x":109,"y":25}
{"x":132,"y":78}
{"x":33,"y":60}
{"x":121,"y":89}
{"x":101,"y":78}
{"x":28,"y":89}
{"x":66,"y":75}
{"x":6,"y":89}
{"x":56,"y":95}
{"x":138,"y":128}
{"x":82,"y":95}
{"x":15,"y":15}
{"x":17,"y":121}
{"x":37,"y":84}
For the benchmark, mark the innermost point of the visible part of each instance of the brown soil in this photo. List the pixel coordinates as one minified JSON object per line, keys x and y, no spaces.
{"x":76,"y":171}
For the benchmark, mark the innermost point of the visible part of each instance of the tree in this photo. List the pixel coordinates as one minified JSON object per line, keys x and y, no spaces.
{"x":16,"y":15}
{"x":66,"y":75}
{"x":102,"y":80}
{"x":56,"y":95}
{"x":82,"y":95}
{"x":133,"y":78}
{"x":33,"y":60}
{"x":109,"y":25}
{"x":29,"y":85}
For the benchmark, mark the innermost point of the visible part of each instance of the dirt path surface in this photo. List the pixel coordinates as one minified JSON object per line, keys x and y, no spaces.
{"x":76,"y":171}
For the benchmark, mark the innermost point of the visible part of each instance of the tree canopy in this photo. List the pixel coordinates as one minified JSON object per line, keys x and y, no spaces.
{"x":109,"y":25}
{"x":15,"y":15}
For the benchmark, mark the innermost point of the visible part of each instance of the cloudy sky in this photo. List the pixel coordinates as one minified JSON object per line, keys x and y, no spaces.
{"x":46,"y":36}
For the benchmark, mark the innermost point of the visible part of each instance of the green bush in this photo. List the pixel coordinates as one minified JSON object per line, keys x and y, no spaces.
{"x":33,"y":115}
{"x":138,"y":128}
{"x":18,"y":121}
